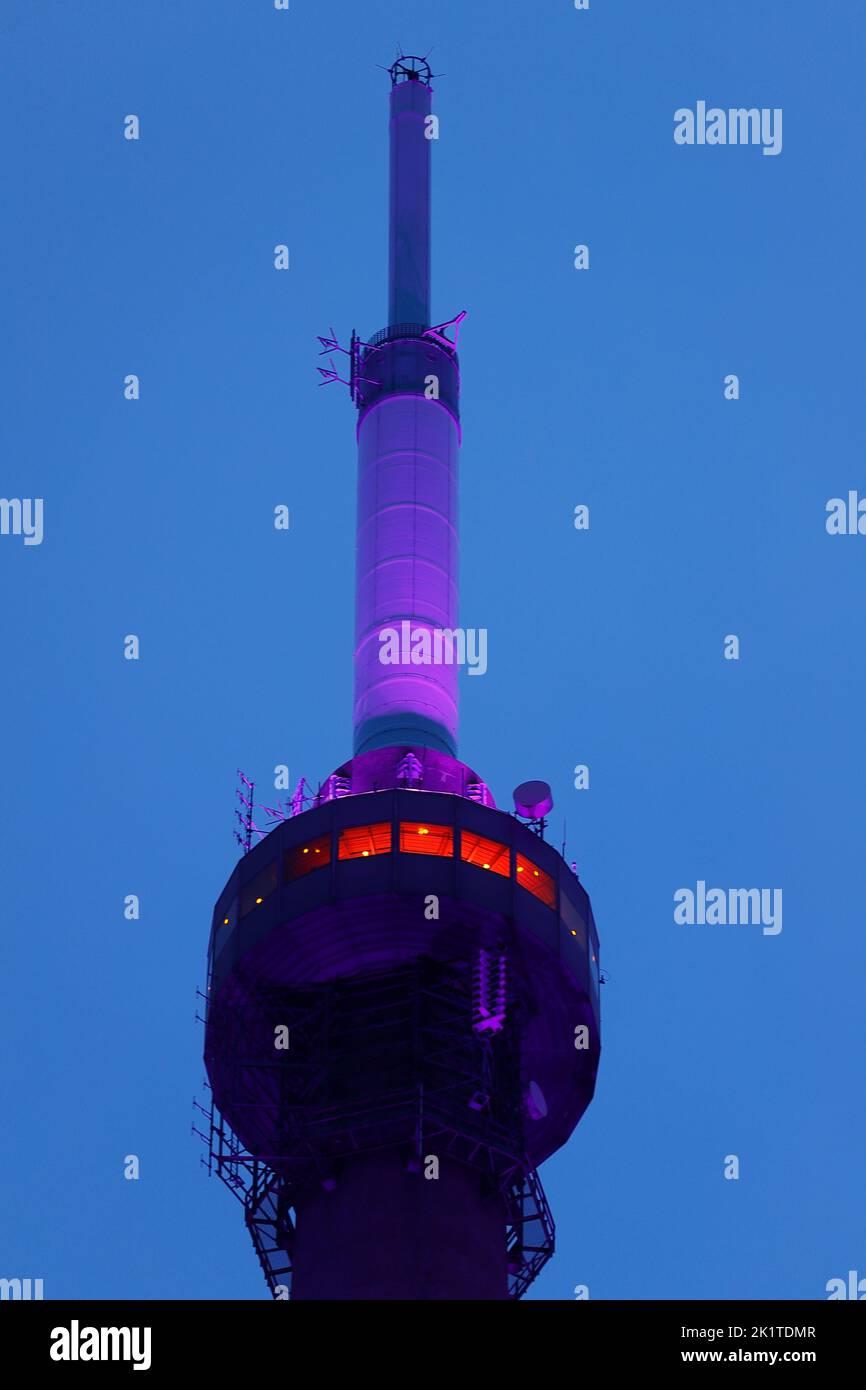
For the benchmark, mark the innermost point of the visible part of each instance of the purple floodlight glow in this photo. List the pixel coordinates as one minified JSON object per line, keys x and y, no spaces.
{"x":407,"y":563}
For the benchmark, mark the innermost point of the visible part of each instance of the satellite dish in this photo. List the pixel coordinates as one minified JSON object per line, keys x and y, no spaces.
{"x":533,"y":800}
{"x":536,"y":1105}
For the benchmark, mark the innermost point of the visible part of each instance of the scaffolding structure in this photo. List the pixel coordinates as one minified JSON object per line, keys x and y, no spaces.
{"x":389,"y":1060}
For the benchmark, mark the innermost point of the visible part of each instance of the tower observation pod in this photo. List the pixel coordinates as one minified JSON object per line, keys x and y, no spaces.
{"x":402,"y":1014}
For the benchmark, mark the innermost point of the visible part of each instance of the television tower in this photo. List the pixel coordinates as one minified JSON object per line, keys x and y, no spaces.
{"x":403,"y":981}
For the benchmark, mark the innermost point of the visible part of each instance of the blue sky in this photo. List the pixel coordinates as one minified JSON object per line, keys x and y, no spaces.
{"x":602,"y":387}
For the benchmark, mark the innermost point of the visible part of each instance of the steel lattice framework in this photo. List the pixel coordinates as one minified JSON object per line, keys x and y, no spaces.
{"x":388,"y":1060}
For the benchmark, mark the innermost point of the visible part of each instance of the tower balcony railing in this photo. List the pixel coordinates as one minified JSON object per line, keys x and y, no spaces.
{"x":397,"y":330}
{"x":394,"y":331}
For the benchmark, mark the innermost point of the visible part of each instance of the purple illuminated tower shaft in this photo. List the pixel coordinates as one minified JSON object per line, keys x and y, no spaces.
{"x":408,"y":441}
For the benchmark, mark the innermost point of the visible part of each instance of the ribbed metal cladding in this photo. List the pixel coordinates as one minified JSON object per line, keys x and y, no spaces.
{"x":407,"y":569}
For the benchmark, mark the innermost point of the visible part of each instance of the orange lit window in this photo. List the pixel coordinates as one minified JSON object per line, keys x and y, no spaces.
{"x":362,"y":841}
{"x":536,"y":881}
{"x":302,"y":859}
{"x":487,"y":854}
{"x":418,"y":837}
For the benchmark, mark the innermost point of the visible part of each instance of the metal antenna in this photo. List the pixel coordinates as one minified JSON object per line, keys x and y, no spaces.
{"x":246,"y":818}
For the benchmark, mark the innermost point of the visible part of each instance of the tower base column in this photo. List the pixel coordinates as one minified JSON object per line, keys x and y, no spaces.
{"x":385,"y":1233}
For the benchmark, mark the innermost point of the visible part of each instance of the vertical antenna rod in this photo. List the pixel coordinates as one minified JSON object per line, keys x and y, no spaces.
{"x":409,"y":230}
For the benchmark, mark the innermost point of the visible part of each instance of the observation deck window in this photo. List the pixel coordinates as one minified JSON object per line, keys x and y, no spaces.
{"x":363,"y":841}
{"x":536,"y":881}
{"x":485,"y":854}
{"x":258,"y":888}
{"x":303,"y":859}
{"x":417,"y":837}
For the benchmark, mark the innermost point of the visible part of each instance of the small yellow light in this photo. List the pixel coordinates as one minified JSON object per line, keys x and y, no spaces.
{"x":258,"y":900}
{"x":485,"y":866}
{"x":422,"y":830}
{"x":574,"y":933}
{"x":225,"y":921}
{"x":520,"y":868}
{"x":306,"y":849}
{"x":365,"y":853}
